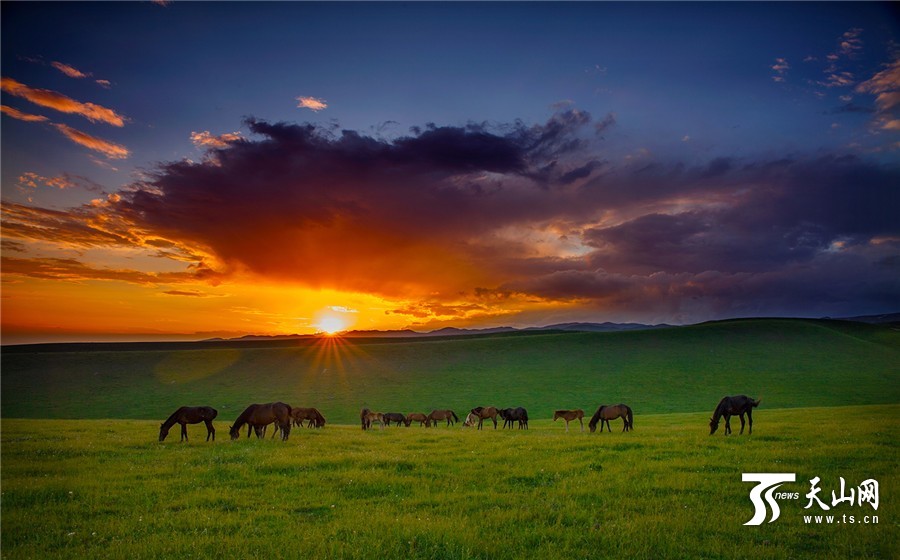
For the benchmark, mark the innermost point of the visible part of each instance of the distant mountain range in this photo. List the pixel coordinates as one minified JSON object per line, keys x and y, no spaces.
{"x":453,"y":331}
{"x":887,"y":318}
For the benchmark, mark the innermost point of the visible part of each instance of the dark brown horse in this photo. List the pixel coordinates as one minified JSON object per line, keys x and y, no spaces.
{"x":419,"y":417}
{"x":610,"y":412}
{"x":256,"y":416}
{"x":300,"y":415}
{"x":512,"y":415}
{"x":483,"y":412}
{"x":395,"y":417}
{"x":438,"y":415}
{"x":367,"y":417}
{"x":190,"y":415}
{"x":733,"y":406}
{"x":569,"y":415}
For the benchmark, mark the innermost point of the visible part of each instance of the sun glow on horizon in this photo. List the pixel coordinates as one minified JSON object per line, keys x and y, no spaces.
{"x":331,"y":324}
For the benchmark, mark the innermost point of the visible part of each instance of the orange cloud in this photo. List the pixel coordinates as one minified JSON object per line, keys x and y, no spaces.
{"x":206,"y":140}
{"x":885,"y":85}
{"x":62,"y":103}
{"x":16,"y":114}
{"x":32,"y":180}
{"x":68,"y":70}
{"x":109,"y":149}
{"x":311,"y":103}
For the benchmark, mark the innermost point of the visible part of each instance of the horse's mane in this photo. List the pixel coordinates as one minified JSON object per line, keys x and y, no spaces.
{"x":171,"y":419}
{"x":720,"y":408}
{"x":242,"y":419}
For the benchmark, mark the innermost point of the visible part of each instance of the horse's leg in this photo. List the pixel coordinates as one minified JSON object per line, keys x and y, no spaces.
{"x":750,"y":419}
{"x":727,"y":424}
{"x":567,"y":426}
{"x":581,"y":421}
{"x":183,"y":431}
{"x":742,"y":423}
{"x":495,"y":422}
{"x":210,"y":430}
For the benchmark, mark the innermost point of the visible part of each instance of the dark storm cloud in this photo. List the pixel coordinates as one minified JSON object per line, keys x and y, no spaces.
{"x":465,"y":218}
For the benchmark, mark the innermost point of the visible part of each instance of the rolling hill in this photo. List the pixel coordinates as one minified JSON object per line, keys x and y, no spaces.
{"x":788,"y":363}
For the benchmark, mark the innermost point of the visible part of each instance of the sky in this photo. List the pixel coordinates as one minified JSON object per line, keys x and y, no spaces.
{"x":183,"y":170}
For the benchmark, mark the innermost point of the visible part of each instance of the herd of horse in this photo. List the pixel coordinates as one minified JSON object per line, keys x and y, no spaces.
{"x":257,"y":417}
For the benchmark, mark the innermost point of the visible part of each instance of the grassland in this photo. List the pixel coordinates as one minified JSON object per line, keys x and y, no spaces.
{"x":107,"y":489}
{"x":74,"y":484}
{"x":788,"y":363}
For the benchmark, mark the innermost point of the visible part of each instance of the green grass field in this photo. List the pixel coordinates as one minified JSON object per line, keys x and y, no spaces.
{"x":107,"y":489}
{"x":77,"y":485}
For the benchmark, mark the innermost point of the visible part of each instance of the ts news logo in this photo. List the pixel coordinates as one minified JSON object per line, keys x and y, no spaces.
{"x":768,"y":483}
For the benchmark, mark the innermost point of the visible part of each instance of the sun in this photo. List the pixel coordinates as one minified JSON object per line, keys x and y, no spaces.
{"x":331,"y":325}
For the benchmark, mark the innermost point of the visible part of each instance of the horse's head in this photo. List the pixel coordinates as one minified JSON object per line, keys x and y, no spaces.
{"x":713,"y":426}
{"x":163,"y":432}
{"x":592,"y":426}
{"x":234,"y":432}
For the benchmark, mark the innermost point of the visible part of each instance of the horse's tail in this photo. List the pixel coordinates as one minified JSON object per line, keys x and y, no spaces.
{"x":755,"y":403}
{"x":362,"y":417}
{"x":630,"y":417}
{"x":455,"y":418}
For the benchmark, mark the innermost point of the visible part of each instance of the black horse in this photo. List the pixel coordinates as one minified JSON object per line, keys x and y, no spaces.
{"x":733,"y":406}
{"x":190,"y":415}
{"x":511,"y":415}
{"x":395,"y":417}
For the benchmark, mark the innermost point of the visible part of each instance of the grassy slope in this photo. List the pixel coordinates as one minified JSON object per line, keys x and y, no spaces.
{"x":788,"y":363}
{"x":99,"y":489}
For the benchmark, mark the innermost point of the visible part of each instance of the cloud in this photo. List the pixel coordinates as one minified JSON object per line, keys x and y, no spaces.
{"x":608,"y":121}
{"x":838,"y":79}
{"x":108,"y":149}
{"x":206,"y":140}
{"x":850,"y":108}
{"x":850,"y":43}
{"x":68,"y":70}
{"x":16,"y":114}
{"x":105,"y":84}
{"x":33,"y":180}
{"x":312,"y":103}
{"x":780,"y":67}
{"x":75,"y":270}
{"x":481,"y":220}
{"x":885,"y":86}
{"x":59,"y":102}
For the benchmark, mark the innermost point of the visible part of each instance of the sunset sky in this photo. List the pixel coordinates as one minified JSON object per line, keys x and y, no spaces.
{"x":197,"y":169}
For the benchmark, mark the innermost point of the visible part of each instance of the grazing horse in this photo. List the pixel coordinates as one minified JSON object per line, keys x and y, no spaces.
{"x":471,"y":420}
{"x":257,"y":416}
{"x":190,"y":415}
{"x":511,"y":415}
{"x":366,"y":417}
{"x":733,"y":406}
{"x":395,"y":417}
{"x":483,"y":412}
{"x":419,"y":417}
{"x":569,"y":415}
{"x":315,"y":418}
{"x":610,"y":412}
{"x":438,"y":415}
